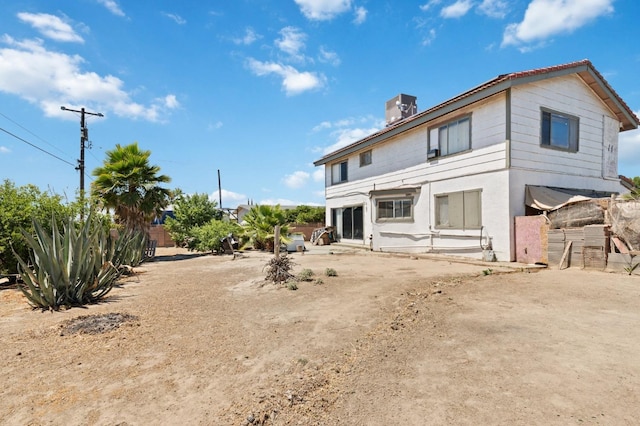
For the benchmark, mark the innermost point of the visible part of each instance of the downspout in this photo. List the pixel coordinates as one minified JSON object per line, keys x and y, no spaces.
{"x":431,"y":207}
{"x":507,"y":129}
{"x":507,"y":136}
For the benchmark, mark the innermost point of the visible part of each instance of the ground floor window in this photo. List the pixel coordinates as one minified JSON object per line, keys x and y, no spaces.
{"x":394,"y":209}
{"x":459,"y":210}
{"x":348,"y":222}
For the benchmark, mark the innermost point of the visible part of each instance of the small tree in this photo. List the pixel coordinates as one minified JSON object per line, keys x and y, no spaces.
{"x":190,"y":211}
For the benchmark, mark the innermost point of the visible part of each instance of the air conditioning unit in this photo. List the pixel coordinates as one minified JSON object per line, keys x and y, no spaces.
{"x":433,"y":153}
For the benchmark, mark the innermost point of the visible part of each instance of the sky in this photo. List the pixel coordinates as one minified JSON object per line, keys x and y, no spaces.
{"x":255,"y":91}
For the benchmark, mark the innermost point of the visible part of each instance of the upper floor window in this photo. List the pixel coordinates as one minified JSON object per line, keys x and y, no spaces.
{"x":559,"y":131}
{"x":459,"y":210}
{"x":339,"y":172}
{"x":453,"y":137}
{"x":365,"y":158}
{"x":397,"y":209}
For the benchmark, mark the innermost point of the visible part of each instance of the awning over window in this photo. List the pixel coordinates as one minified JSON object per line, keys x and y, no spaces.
{"x":405,"y":191}
{"x":543,"y":198}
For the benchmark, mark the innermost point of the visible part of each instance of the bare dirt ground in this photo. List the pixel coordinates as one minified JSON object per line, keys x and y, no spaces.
{"x":392,"y":340}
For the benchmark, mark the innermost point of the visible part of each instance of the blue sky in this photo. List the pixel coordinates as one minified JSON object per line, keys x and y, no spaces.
{"x":259,"y":89}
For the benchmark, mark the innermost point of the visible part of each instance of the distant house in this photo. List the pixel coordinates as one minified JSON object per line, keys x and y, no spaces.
{"x":452,"y":178}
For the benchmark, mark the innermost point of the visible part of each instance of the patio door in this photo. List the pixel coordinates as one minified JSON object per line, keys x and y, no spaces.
{"x":348,"y":222}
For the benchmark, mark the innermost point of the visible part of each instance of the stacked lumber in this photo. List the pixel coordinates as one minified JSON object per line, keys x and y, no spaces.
{"x":596,"y":246}
{"x":555,"y":245}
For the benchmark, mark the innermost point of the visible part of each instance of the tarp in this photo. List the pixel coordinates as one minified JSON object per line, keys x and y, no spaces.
{"x":546,"y":199}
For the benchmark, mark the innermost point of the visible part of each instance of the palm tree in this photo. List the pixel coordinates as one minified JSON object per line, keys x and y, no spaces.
{"x":129,"y":185}
{"x":259,"y":226}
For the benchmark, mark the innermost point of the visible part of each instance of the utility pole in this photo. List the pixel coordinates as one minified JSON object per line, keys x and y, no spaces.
{"x":84,"y":136}
{"x":219,"y":190}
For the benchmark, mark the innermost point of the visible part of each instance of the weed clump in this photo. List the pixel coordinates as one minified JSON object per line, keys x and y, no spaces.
{"x":306,"y":275}
{"x":330,"y":272}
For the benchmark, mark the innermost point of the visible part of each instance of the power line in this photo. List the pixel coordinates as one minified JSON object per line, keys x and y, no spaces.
{"x":37,"y":147}
{"x":30,"y":132}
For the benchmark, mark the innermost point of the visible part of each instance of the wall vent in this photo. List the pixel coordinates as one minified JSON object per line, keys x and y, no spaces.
{"x":400,"y":107}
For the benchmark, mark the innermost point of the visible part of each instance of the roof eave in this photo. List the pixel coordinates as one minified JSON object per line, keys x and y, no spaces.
{"x":413,"y":122}
{"x":584,"y":69}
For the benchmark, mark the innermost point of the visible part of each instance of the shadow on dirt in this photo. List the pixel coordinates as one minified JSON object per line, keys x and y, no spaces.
{"x":174,"y":257}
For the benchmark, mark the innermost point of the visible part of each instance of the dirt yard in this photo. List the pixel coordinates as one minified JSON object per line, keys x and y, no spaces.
{"x":391,"y":340}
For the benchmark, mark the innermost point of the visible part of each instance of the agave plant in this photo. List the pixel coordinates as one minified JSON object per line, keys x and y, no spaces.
{"x":68,"y":268}
{"x":128,"y":249}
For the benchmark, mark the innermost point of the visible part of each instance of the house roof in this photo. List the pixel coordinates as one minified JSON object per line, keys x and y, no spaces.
{"x":584,"y":69}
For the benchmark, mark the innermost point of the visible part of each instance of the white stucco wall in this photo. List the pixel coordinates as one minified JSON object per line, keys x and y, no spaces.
{"x":567,"y":95}
{"x":500,"y":169}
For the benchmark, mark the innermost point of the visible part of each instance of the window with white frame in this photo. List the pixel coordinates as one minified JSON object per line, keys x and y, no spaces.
{"x":452,"y":137}
{"x":459,"y":210}
{"x":395,"y":209}
{"x":365,"y":158}
{"x":339,"y":172}
{"x":558,"y":130}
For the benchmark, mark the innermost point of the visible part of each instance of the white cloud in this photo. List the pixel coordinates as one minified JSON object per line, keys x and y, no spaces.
{"x":323,"y":10}
{"x":176,"y":18}
{"x":291,"y":41}
{"x":322,"y":126}
{"x":327,"y":56}
{"x":428,"y":39}
{"x":348,"y":130}
{"x":278,"y":201}
{"x":229,"y":199}
{"x":345,"y":137}
{"x":545,"y":18}
{"x":51,"y":26}
{"x":361,"y":15}
{"x":428,"y":5}
{"x":50,"y":79}
{"x":112,"y":6}
{"x":457,"y":9}
{"x":171,"y":102}
{"x":293,"y":81}
{"x":494,"y":8}
{"x":318,"y":174}
{"x":4,"y":150}
{"x":250,"y":36}
{"x":296,"y":180}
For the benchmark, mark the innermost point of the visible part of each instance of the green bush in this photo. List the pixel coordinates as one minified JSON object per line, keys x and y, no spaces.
{"x":19,"y":206}
{"x":191,"y":212}
{"x":305,"y":214}
{"x":208,"y":238}
{"x":73,"y":267}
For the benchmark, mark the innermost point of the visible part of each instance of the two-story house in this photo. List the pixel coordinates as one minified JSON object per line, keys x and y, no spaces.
{"x":452,"y":178}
